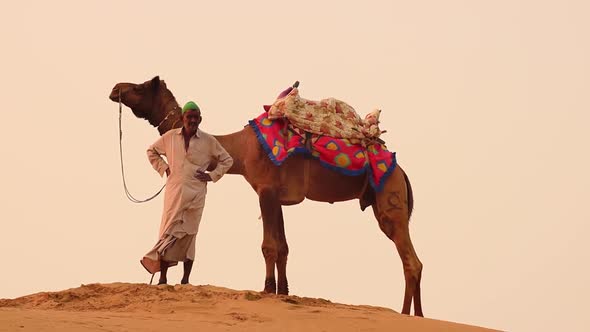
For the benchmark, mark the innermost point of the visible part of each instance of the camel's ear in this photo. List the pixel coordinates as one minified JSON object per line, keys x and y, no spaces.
{"x":156,"y":82}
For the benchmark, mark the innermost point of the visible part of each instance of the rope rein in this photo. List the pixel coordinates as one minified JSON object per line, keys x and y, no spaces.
{"x":127,"y":193}
{"x":167,"y":116}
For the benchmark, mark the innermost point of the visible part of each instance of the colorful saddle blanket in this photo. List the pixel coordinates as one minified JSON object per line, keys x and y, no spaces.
{"x":334,"y":153}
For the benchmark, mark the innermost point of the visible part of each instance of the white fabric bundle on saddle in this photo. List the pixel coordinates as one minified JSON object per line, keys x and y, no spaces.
{"x":330,"y":117}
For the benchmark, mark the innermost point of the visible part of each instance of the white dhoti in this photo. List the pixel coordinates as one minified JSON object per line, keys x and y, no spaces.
{"x":184,"y":197}
{"x":171,"y":250}
{"x":178,"y":234}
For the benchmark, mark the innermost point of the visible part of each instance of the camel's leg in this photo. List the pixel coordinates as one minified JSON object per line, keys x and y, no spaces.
{"x":283,"y":252}
{"x":391,"y":210}
{"x":270,"y":208}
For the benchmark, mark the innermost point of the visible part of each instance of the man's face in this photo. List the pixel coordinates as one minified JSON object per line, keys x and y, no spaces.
{"x":191,"y":120}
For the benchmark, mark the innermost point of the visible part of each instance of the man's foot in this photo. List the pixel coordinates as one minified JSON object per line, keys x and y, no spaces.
{"x":163,"y":271}
{"x":188,"y":266}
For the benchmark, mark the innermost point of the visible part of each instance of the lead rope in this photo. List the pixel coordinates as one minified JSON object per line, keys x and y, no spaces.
{"x":152,"y":279}
{"x":127,"y":193}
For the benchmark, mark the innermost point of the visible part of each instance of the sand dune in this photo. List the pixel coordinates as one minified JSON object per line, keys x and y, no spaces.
{"x":140,"y":307}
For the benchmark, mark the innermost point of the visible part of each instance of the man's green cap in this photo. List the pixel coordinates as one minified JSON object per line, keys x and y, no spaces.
{"x":191,"y":105}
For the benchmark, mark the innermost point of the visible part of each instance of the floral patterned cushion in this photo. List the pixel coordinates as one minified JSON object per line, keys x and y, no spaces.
{"x":330,"y":117}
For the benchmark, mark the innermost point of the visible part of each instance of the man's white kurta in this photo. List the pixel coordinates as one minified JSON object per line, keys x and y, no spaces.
{"x":184,"y":196}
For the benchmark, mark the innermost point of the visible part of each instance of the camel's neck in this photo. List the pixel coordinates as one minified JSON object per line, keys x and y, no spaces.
{"x":166,"y":114}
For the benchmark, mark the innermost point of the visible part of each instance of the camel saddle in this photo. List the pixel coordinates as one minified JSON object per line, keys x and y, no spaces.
{"x":329,"y":117}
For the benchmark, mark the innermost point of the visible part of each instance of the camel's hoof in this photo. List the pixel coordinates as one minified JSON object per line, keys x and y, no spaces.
{"x":270,"y":286}
{"x":283,"y":289}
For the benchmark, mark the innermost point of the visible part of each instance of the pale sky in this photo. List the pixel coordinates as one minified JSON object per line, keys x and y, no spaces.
{"x":486,"y":104}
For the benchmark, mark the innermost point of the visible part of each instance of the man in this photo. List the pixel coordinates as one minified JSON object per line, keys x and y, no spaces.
{"x":189,"y":152}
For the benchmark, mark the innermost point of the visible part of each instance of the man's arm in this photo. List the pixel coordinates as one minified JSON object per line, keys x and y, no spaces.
{"x":224,"y":162}
{"x":154,"y":153}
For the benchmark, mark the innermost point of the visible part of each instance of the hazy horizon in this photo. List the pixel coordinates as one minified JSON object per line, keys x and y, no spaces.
{"x":485,"y":103}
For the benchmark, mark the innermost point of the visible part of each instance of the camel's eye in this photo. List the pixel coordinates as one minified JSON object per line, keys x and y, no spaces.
{"x":138,"y":88}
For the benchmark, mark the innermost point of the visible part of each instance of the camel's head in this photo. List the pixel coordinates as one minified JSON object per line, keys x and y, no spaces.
{"x":139,"y":97}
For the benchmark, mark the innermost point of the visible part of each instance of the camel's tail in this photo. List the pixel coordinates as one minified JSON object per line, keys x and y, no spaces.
{"x":410,"y":195}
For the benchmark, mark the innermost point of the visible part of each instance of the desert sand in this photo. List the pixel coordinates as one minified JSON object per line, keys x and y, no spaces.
{"x":141,"y":307}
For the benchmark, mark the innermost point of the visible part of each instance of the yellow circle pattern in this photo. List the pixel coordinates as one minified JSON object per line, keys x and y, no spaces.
{"x":332,"y":146}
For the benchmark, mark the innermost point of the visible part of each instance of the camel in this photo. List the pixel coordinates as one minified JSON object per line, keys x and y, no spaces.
{"x":298,"y":178}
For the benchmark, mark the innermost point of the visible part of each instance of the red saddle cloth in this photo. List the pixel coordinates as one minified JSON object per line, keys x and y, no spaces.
{"x":337,"y":154}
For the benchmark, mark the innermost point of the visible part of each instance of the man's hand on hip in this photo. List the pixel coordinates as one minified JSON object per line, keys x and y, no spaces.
{"x":203,"y":176}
